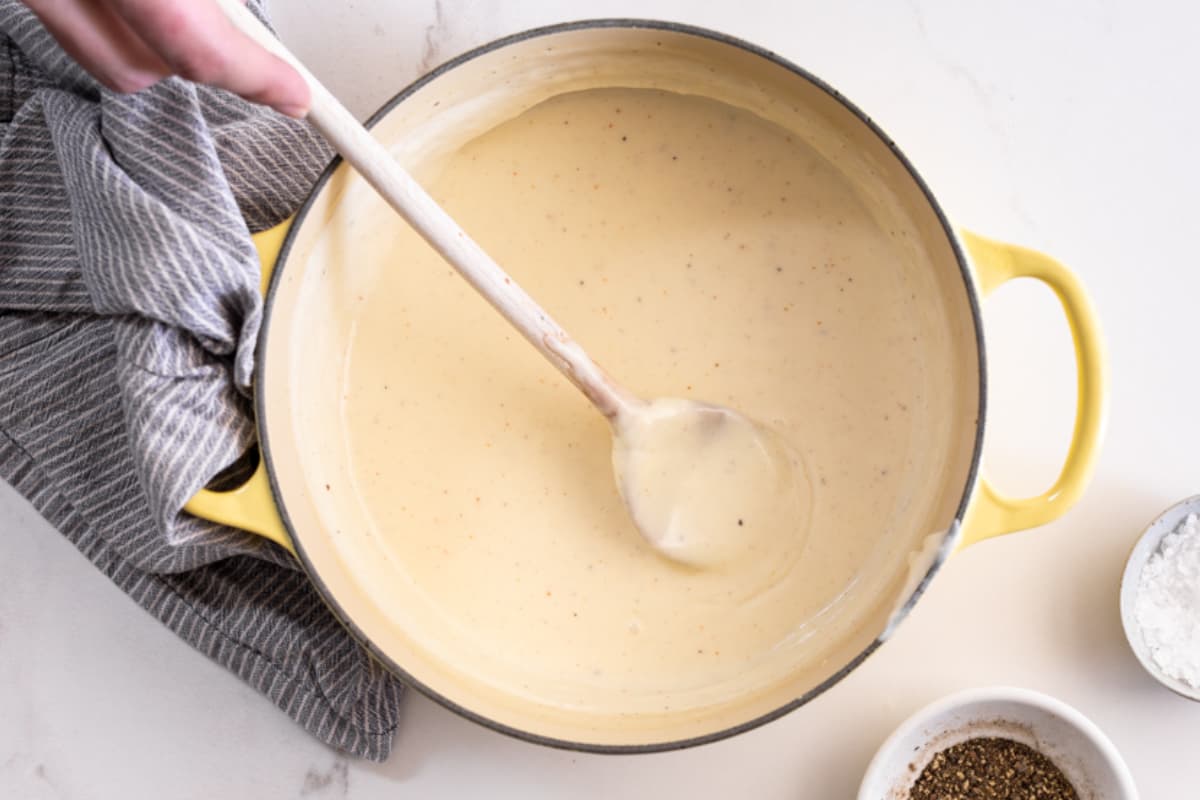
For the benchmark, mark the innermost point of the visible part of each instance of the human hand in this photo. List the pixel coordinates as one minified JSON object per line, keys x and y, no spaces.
{"x":130,"y":44}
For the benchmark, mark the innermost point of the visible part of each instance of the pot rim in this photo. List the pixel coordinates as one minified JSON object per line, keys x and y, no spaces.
{"x":947,"y":546}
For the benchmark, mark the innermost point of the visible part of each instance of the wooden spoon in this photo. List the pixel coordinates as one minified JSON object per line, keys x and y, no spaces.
{"x":704,"y":484}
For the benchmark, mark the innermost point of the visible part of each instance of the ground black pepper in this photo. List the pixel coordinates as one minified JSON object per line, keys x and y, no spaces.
{"x":991,"y":768}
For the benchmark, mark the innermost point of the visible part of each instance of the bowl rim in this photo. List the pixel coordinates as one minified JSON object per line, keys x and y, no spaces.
{"x":1144,"y":546}
{"x":1087,"y":730}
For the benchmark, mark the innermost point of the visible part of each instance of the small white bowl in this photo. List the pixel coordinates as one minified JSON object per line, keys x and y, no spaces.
{"x":1146,"y":544}
{"x":1076,"y":746}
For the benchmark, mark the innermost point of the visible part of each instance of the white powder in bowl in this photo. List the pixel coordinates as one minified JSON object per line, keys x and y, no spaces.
{"x":1168,"y":603}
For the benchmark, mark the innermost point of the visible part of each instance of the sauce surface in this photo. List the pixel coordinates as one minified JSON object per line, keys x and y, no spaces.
{"x":696,"y":251}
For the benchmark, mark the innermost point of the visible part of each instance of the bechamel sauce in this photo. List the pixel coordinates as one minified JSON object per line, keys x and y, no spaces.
{"x":695,"y":251}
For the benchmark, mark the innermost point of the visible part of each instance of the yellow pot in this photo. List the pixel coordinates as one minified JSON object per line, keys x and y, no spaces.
{"x":466,"y":97}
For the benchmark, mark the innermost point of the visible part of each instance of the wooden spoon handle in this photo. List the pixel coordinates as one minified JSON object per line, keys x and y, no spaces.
{"x":438,"y":228}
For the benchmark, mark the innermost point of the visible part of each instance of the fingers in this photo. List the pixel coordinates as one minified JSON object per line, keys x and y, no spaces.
{"x":130,"y":44}
{"x":196,"y":40}
{"x":101,"y":42}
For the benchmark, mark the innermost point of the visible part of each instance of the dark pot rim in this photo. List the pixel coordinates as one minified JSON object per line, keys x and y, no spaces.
{"x":945,"y":549}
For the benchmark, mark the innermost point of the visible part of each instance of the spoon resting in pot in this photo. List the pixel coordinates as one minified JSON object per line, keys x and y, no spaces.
{"x":705,"y":485}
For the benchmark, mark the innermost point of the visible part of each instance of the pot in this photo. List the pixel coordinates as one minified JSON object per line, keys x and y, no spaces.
{"x":306,"y":494}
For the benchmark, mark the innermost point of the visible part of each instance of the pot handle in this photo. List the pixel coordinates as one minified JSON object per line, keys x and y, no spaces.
{"x":991,"y":513}
{"x":250,"y":506}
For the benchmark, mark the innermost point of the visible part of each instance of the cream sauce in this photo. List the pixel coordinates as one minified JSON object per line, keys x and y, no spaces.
{"x":708,"y":487}
{"x":697,"y":251}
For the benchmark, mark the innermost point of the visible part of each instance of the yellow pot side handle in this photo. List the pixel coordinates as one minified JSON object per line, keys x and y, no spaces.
{"x":268,"y":243}
{"x":250,"y":506}
{"x":991,"y":513}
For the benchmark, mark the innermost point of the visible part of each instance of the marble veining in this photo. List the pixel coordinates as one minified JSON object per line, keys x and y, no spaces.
{"x":333,"y":781}
{"x":435,"y":35}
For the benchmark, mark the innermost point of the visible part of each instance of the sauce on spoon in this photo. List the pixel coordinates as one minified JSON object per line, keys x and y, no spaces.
{"x":705,"y":485}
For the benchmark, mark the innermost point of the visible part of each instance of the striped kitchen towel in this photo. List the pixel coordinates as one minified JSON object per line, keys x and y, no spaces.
{"x":128,"y":315}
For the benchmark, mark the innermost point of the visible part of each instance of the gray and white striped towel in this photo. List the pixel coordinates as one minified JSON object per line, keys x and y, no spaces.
{"x":128,"y":316}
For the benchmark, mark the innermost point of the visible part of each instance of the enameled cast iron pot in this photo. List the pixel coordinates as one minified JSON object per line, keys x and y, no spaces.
{"x":465,"y":98}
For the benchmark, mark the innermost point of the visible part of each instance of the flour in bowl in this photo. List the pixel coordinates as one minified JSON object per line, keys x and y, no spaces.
{"x":1168,"y":603}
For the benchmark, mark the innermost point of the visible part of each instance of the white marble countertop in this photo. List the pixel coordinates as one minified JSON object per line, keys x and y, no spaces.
{"x":1064,"y":125}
